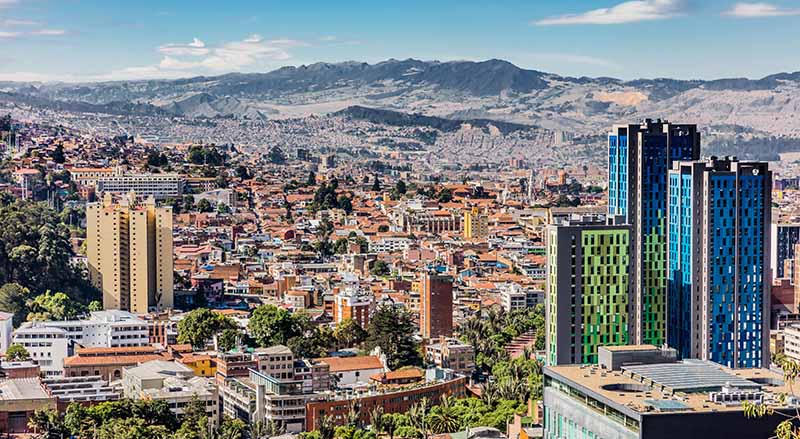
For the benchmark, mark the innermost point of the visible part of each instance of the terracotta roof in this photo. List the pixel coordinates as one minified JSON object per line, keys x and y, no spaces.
{"x":397,"y":374}
{"x":116,"y":350}
{"x":344,"y":364}
{"x":109,"y":360}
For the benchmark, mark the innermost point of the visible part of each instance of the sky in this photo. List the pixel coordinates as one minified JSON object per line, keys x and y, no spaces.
{"x":99,"y":40}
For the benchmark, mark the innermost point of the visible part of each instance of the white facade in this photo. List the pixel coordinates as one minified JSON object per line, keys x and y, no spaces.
{"x":48,"y":346}
{"x":105,"y":329}
{"x":389,"y":244}
{"x":145,"y":185}
{"x":6,"y":330}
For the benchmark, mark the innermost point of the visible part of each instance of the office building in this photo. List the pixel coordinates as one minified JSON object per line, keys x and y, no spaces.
{"x":783,"y":239}
{"x":587,"y":289}
{"x":639,"y":157}
{"x":436,"y":306}
{"x":158,"y":186}
{"x":449,"y":353}
{"x":129,"y":248}
{"x":102,"y":329}
{"x":476,"y":224}
{"x":643,"y":392}
{"x":353,"y":303}
{"x":719,"y":284}
{"x":48,"y":346}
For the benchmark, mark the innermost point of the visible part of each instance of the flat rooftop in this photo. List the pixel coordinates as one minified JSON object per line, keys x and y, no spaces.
{"x":669,"y":387}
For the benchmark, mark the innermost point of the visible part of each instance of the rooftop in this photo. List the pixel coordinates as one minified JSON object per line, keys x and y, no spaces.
{"x":344,"y":364}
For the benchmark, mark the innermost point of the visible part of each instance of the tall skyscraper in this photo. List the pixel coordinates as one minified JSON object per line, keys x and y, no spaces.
{"x":783,"y":238}
{"x":587,"y":289}
{"x":436,"y":306}
{"x":476,"y":224}
{"x":129,"y":247}
{"x":719,"y":284}
{"x":639,"y":157}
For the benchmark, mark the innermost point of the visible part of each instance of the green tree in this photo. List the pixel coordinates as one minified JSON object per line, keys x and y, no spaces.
{"x":131,"y":428}
{"x":17,"y":352}
{"x":349,"y":333}
{"x":204,"y":206}
{"x":58,"y":154}
{"x":393,"y":330}
{"x":312,"y":179}
{"x":445,"y":195}
{"x":276,"y":156}
{"x":202,"y":324}
{"x":95,"y":305}
{"x":340,"y":246}
{"x":381,"y":268}
{"x":376,"y":184}
{"x":49,"y":306}
{"x":443,"y":418}
{"x":13,"y":298}
{"x":270,"y":325}
{"x":229,"y":339}
{"x":47,"y":424}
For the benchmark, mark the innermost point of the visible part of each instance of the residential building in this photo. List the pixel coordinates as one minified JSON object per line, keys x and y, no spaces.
{"x":353,"y":303}
{"x":476,"y":224}
{"x":89,"y":176}
{"x":6,"y":330}
{"x":172,"y":382}
{"x":643,"y":392}
{"x":129,"y":247}
{"x":450,"y":353}
{"x":108,"y":363}
{"x":791,"y":342}
{"x":719,"y":283}
{"x":282,"y":402}
{"x":587,"y":289}
{"x":436,"y":305}
{"x":783,"y":239}
{"x":639,"y":157}
{"x":19,"y":399}
{"x":276,"y":361}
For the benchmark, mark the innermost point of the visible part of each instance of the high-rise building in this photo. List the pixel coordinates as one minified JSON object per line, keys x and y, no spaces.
{"x":436,"y":307}
{"x":639,"y":157}
{"x":129,"y":247}
{"x":476,"y":224}
{"x":353,"y":303}
{"x":783,"y":239}
{"x":719,"y":284}
{"x":587,"y":289}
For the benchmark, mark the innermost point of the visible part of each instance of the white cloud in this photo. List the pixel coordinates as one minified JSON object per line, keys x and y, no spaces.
{"x":195,"y":48}
{"x":48,"y":32}
{"x":328,"y":38}
{"x":7,"y":34}
{"x":627,"y":12}
{"x":18,"y":22}
{"x":4,"y":3}
{"x":759,"y":10}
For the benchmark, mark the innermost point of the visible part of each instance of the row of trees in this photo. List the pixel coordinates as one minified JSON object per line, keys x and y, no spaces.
{"x":391,"y":329}
{"x":141,"y":419}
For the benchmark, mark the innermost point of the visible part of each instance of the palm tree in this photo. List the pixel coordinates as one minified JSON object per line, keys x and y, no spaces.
{"x":489,"y":393}
{"x":265,"y":430}
{"x":443,"y":418}
{"x":389,"y":424}
{"x":326,"y":427}
{"x":416,"y":415}
{"x":376,"y":420}
{"x":353,"y":415}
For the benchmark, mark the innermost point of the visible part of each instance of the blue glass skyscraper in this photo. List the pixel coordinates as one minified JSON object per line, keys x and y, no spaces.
{"x":639,"y":157}
{"x":718,"y":278}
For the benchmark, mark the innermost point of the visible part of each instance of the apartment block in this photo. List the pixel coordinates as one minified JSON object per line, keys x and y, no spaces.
{"x":129,"y":248}
{"x":436,"y":306}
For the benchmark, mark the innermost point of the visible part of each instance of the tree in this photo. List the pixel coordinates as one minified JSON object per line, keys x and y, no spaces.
{"x":95,"y":305}
{"x":400,"y":187}
{"x":340,"y":247}
{"x":443,"y":418}
{"x":58,"y":154}
{"x":17,"y":352}
{"x":49,"y":306}
{"x":348,"y":333}
{"x":393,"y":330}
{"x":229,"y":339}
{"x":270,"y":325}
{"x":380,"y":268}
{"x":204,"y":206}
{"x":131,"y":428}
{"x":243,"y":173}
{"x":445,"y":195}
{"x":202,"y":324}
{"x":312,"y":179}
{"x":47,"y":424}
{"x":13,"y":297}
{"x":345,"y":204}
{"x":376,"y":184}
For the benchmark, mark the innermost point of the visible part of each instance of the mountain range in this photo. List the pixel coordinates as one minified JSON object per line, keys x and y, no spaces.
{"x":459,"y":90}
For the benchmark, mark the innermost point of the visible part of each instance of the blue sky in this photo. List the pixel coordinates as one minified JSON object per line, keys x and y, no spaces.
{"x":77,"y":40}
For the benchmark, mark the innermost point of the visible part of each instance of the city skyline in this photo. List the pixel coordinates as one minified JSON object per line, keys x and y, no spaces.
{"x":89,"y":42}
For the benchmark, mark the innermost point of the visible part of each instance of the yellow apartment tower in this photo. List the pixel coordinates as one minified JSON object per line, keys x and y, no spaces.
{"x":476,"y":224}
{"x":129,"y":247}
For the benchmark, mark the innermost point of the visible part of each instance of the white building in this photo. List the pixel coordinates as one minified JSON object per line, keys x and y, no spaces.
{"x":389,"y":243}
{"x":6,"y":330}
{"x":104,"y":329}
{"x":48,"y":346}
{"x":513,"y":296}
{"x":159,"y":186}
{"x":172,"y":382}
{"x":351,"y":371}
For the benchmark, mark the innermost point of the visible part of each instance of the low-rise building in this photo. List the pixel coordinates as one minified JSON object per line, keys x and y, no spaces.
{"x":108,"y":363}
{"x":19,"y":399}
{"x":172,"y":382}
{"x":449,"y":353}
{"x":48,"y":346}
{"x":87,"y":389}
{"x":349,"y":371}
